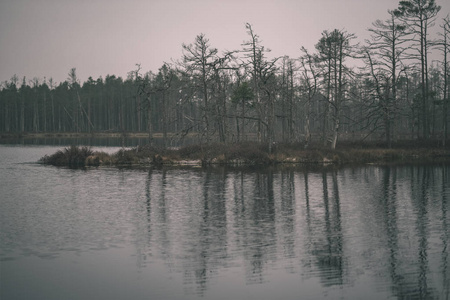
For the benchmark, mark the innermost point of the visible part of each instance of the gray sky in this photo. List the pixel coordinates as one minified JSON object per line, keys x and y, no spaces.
{"x":46,"y":38}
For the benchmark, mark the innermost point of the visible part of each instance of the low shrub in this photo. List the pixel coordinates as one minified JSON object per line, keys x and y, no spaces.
{"x":126,"y":157}
{"x":72,"y":156}
{"x":192,"y":151}
{"x":104,"y":158}
{"x":250,"y":152}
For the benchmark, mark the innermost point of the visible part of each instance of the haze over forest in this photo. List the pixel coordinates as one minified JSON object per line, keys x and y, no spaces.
{"x":393,"y":85}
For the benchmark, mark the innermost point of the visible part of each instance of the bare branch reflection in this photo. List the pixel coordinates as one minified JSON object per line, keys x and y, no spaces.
{"x":331,"y":225}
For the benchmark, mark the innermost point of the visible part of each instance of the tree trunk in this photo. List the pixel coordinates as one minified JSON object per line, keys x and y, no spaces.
{"x":149,"y":122}
{"x":336,"y":124}
{"x":243,"y":120}
{"x":446,"y":89}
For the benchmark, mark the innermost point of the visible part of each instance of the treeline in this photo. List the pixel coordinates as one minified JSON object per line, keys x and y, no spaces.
{"x":396,"y":92}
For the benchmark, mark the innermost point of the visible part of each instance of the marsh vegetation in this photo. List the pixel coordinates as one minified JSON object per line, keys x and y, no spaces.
{"x":247,"y":154}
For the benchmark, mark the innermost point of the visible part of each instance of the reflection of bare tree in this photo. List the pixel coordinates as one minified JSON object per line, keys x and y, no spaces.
{"x":148,"y":207}
{"x":256,"y":234}
{"x":445,"y":236}
{"x":327,"y":235}
{"x":148,"y":198}
{"x":162,"y":218}
{"x":308,"y":218}
{"x":410,"y":272}
{"x":389,"y":210}
{"x":420,"y":191}
{"x":201,"y":222}
{"x":207,"y":243}
{"x":422,"y":229}
{"x":156,"y":219}
{"x":405,"y":216}
{"x":261,"y":238}
{"x":287,"y":212}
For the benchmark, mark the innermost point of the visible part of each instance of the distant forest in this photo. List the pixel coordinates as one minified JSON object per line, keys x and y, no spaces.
{"x":385,"y":88}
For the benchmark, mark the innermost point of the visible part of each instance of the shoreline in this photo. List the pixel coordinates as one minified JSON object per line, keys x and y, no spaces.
{"x":43,"y":135}
{"x":242,"y":154}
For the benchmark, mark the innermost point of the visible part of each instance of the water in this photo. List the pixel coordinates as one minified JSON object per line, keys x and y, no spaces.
{"x":365,"y":232}
{"x":127,"y":141}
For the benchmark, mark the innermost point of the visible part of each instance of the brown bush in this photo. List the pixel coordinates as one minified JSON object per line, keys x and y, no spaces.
{"x":72,"y":156}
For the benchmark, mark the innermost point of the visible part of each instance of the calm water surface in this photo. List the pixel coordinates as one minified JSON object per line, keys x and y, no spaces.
{"x":356,"y":233}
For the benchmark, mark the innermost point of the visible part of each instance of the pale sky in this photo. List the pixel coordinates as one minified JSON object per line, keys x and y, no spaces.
{"x":46,"y":38}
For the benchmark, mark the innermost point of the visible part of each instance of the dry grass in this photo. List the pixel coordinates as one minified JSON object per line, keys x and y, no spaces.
{"x":72,"y":156}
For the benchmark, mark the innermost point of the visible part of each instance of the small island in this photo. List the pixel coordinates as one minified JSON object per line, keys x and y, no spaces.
{"x":247,"y":154}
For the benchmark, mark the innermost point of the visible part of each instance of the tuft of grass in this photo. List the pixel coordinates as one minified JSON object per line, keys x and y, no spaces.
{"x":72,"y":156}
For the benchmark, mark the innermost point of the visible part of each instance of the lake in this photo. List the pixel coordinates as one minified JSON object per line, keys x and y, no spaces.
{"x":366,"y":232}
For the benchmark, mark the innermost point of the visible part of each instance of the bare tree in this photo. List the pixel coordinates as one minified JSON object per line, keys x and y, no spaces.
{"x":288,"y":108}
{"x":334,"y":47}
{"x":254,"y":53}
{"x":310,"y":85}
{"x":197,"y":61}
{"x":219,"y":66}
{"x":383,"y":57}
{"x":419,"y":16}
{"x":162,"y":85}
{"x":242,"y":95}
{"x":263,"y":72}
{"x":444,"y":45}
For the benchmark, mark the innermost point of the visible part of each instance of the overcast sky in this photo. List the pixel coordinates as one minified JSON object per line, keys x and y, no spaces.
{"x":46,"y":38}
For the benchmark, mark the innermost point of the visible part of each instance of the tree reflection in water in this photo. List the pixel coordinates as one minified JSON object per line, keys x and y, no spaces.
{"x":324,"y":231}
{"x":389,"y":224}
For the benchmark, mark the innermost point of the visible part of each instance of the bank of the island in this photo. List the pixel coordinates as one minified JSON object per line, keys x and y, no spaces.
{"x":245,"y":154}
